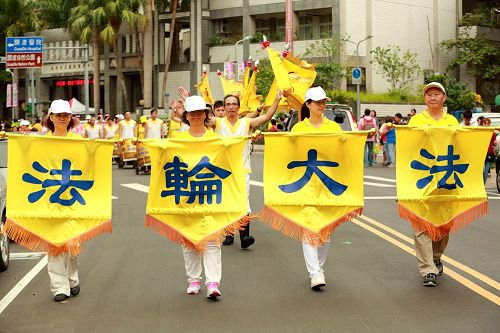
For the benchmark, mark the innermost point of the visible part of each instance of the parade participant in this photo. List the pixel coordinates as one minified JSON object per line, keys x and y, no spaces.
{"x":127,"y":127}
{"x":428,"y":252}
{"x":232,"y":125}
{"x":141,"y":128}
{"x":91,"y":129}
{"x":109,"y":130}
{"x":313,"y":120}
{"x":219,"y":109}
{"x":24,"y":126}
{"x":467,"y":115}
{"x":78,"y":128}
{"x":154,"y":129}
{"x":367,"y":123}
{"x":63,"y":268}
{"x":196,"y":115}
{"x":38,"y":125}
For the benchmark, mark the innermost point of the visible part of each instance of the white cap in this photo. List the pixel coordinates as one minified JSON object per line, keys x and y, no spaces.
{"x":120,"y":116}
{"x":316,"y":94}
{"x":194,"y":103}
{"x":434,"y":85}
{"x":24,"y":123}
{"x":60,"y":106}
{"x":88,"y":117}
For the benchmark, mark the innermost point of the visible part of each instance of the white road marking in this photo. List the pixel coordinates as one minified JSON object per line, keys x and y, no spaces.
{"x":26,"y":255}
{"x":493,"y":193}
{"x":380,"y":178}
{"x":379,"y":184}
{"x":113,"y":197}
{"x":137,"y":187}
{"x":22,"y":284}
{"x":380,"y":198}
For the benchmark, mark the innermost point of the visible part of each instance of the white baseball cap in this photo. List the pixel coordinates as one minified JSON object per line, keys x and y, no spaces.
{"x":434,"y":85}
{"x":24,"y":123}
{"x":87,"y":117}
{"x":194,"y":103}
{"x":120,"y":116}
{"x":316,"y":94}
{"x":59,"y":106}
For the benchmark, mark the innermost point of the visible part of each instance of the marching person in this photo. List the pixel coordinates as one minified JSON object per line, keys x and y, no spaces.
{"x":62,"y":268}
{"x":313,"y":120}
{"x":142,"y":127}
{"x":233,"y":125}
{"x":91,"y":129}
{"x":428,"y":252}
{"x":154,"y":128}
{"x":127,"y":128}
{"x":196,"y":115}
{"x":109,"y":130}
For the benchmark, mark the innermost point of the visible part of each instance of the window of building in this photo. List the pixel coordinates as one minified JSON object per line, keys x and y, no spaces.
{"x":325,"y":26}
{"x":306,"y":27}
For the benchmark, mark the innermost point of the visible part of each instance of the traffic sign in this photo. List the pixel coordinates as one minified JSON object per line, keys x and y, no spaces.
{"x":24,"y":52}
{"x":356,"y":75}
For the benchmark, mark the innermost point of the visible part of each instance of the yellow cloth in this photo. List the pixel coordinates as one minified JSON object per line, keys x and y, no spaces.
{"x":40,"y":218}
{"x":204,"y":89}
{"x":231,"y":87}
{"x":250,"y":101}
{"x":140,"y":131}
{"x":271,"y":96}
{"x":312,"y":211}
{"x":435,"y":199}
{"x":425,"y":119}
{"x":173,"y":129}
{"x":184,"y":213}
{"x":327,"y":126}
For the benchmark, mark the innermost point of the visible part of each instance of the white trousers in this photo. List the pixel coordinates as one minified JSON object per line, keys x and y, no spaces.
{"x":247,"y":178}
{"x":63,"y":273}
{"x":315,"y":257}
{"x":212,"y":262}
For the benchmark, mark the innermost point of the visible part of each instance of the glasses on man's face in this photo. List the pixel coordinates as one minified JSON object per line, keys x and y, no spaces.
{"x":231,"y":104}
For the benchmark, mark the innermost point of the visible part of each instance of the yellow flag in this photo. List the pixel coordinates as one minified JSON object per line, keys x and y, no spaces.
{"x":271,"y":96}
{"x":197,"y":189}
{"x":439,"y":176}
{"x":231,"y":87}
{"x":59,"y":191}
{"x":250,"y":101}
{"x":312,"y":182}
{"x":246,"y":76}
{"x":204,"y":89}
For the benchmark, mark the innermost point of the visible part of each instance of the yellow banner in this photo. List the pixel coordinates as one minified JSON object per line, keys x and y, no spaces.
{"x":197,"y":189}
{"x":312,"y":182}
{"x":250,"y":101}
{"x":231,"y":87}
{"x":59,"y":191}
{"x":204,"y":89}
{"x":439,"y":176}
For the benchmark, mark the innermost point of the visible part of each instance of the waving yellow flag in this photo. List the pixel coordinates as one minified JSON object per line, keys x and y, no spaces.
{"x":250,"y":101}
{"x":197,"y":189}
{"x":231,"y":87}
{"x":439,"y":176}
{"x":312,"y":182}
{"x":204,"y":89}
{"x":59,"y":192}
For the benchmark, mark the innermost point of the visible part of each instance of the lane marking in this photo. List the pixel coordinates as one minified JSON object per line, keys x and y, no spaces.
{"x":26,"y":255}
{"x":487,"y":280}
{"x":380,"y":178}
{"x":378,"y":184}
{"x":494,"y":193}
{"x":12,"y":294}
{"x":381,"y":198}
{"x":113,"y":197}
{"x":137,"y":187}
{"x":451,"y":273}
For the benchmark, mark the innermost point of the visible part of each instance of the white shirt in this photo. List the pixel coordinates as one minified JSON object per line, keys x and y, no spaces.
{"x":92,"y":132}
{"x":154,"y":129}
{"x":110,"y":132}
{"x":127,"y":129}
{"x":242,"y":128}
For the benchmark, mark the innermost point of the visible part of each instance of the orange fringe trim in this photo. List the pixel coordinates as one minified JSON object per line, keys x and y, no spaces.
{"x":176,"y":237}
{"x":437,"y":233}
{"x":289,"y":228}
{"x":35,"y":243}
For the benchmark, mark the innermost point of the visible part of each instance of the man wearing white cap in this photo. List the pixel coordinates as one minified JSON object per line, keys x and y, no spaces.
{"x":429,"y":252}
{"x":24,"y":126}
{"x":233,"y":125}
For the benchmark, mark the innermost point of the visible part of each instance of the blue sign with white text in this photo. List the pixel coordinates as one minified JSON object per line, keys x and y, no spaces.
{"x":24,"y":44}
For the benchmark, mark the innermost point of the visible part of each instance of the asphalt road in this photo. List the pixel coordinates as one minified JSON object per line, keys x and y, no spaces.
{"x":134,"y":281}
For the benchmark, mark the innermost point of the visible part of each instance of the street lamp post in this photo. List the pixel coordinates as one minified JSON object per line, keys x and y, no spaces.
{"x":236,"y":44}
{"x":358,"y":103}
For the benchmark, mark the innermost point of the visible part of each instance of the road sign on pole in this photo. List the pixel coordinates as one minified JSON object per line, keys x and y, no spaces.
{"x":24,"y":52}
{"x":356,"y":75}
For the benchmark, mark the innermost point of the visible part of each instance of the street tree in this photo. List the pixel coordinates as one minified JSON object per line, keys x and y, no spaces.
{"x":399,"y":68}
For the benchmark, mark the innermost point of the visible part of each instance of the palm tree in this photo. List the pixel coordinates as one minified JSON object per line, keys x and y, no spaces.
{"x":117,"y":12}
{"x":168,"y":54}
{"x":147,"y":79}
{"x":85,"y":24}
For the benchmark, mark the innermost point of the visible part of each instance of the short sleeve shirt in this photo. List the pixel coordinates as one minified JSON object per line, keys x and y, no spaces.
{"x":327,"y":126}
{"x":425,"y":119}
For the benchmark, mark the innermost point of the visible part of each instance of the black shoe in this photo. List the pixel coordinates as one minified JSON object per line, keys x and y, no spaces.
{"x":60,"y":297}
{"x":75,"y":290}
{"x":247,"y":241}
{"x":439,"y":266}
{"x":429,"y":280}
{"x":228,"y":241}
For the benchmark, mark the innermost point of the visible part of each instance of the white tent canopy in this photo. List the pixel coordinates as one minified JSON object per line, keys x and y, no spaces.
{"x":78,"y":108}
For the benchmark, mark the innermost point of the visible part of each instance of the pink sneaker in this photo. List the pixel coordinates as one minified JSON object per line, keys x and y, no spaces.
{"x":194,"y":288}
{"x":213,"y":290}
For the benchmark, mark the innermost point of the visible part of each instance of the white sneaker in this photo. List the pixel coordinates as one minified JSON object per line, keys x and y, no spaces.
{"x":194,"y":288}
{"x":213,"y":290}
{"x":318,"y":281}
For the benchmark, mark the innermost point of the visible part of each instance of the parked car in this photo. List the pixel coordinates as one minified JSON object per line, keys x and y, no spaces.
{"x":4,"y":240}
{"x":495,"y":122}
{"x":341,"y":114}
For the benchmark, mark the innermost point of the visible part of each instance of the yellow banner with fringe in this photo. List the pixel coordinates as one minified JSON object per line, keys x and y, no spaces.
{"x":439,"y":176}
{"x":197,"y":189}
{"x":312,"y":182}
{"x":58,"y":190}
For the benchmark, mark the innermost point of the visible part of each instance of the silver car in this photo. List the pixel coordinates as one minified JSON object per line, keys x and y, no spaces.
{"x":4,"y":240}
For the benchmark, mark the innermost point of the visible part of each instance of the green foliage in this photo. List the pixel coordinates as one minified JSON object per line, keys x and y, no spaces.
{"x":479,"y":17}
{"x":222,"y":39}
{"x":399,"y":68}
{"x":480,"y":55}
{"x":458,"y":95}
{"x":349,"y":97}
{"x":265,"y":78}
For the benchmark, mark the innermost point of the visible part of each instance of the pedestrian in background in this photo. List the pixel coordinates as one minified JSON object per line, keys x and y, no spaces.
{"x":490,"y":154}
{"x":367,"y":123}
{"x":467,"y":115}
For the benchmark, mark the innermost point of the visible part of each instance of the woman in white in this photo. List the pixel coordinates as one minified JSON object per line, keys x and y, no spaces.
{"x":109,"y":130}
{"x":91,"y":129}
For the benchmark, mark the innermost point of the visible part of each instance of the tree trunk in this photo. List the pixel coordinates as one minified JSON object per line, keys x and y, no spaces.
{"x":107,"y":88}
{"x":140,"y":58}
{"x":148,"y":55}
{"x":97,"y":72}
{"x":119,"y":72}
{"x":168,"y":53}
